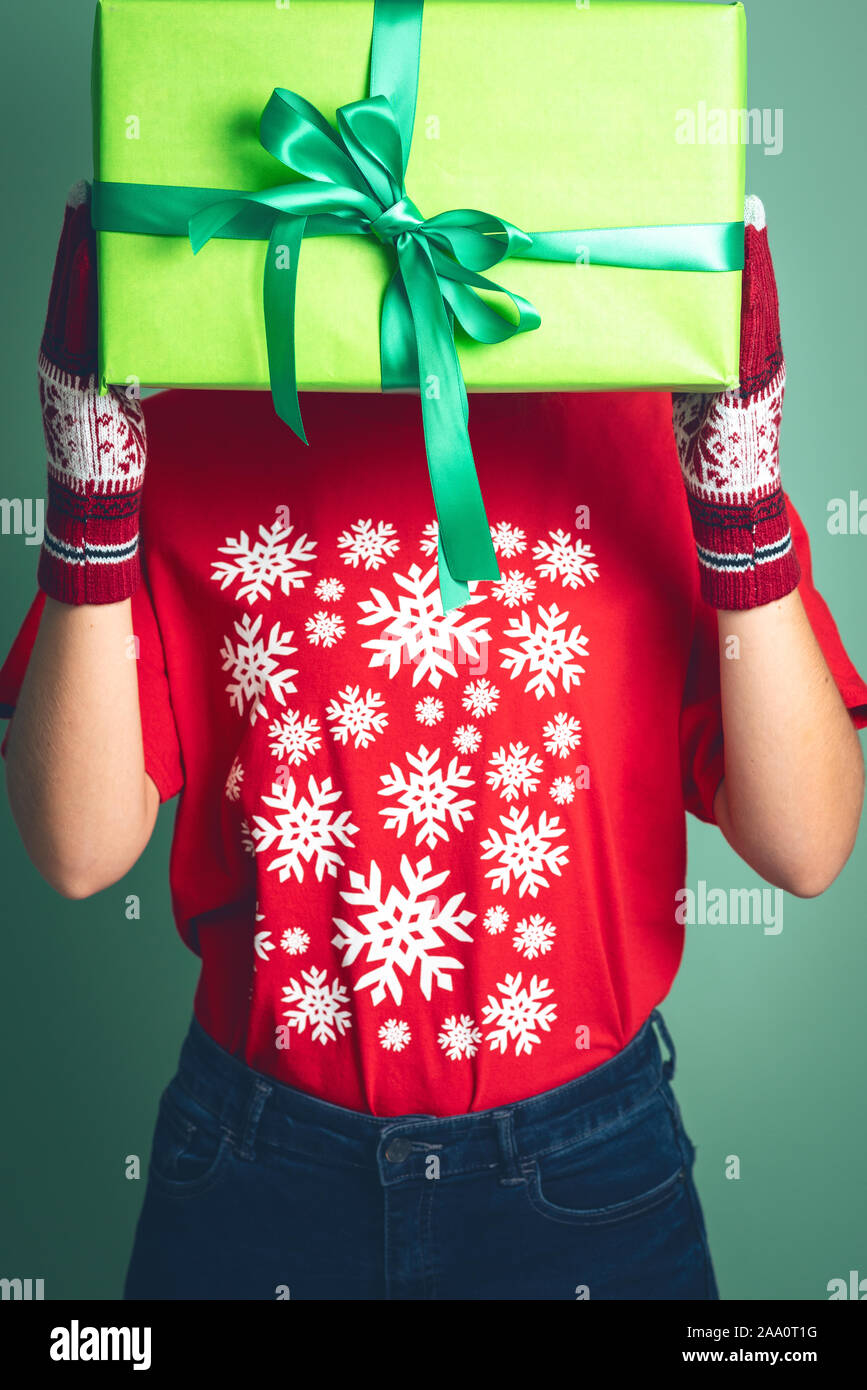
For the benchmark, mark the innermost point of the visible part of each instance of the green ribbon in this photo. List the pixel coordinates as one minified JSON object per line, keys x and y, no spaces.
{"x":355,"y":185}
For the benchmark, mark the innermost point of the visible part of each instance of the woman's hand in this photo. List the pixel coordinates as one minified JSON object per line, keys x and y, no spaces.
{"x":96,"y":444}
{"x":728,"y":446}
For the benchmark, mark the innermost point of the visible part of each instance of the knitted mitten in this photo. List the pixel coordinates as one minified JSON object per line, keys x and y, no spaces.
{"x":95,"y":444}
{"x":729,"y":452}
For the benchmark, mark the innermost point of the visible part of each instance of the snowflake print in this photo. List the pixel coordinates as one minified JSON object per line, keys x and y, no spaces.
{"x":508,"y":540}
{"x":428,"y":795}
{"x":430,"y":539}
{"x":247,"y":844}
{"x":563,"y":790}
{"x":514,"y":773}
{"x":402,"y":930}
{"x":429,"y":710}
{"x":418,"y":633}
{"x":255,"y":665}
{"x":294,"y":738}
{"x":303,"y":830}
{"x":525,"y":851}
{"x":325,"y":628}
{"x":268,"y":561}
{"x":534,"y":936}
{"x":357,"y":716}
{"x":562,"y":734}
{"x":495,"y":920}
{"x":394,"y":1035}
{"x":548,"y":649}
{"x":371,"y":544}
{"x":294,"y":941}
{"x":329,"y":590}
{"x":514,"y":589}
{"x":572,"y":563}
{"x":480,"y":697}
{"x":318,"y":1004}
{"x":460,"y":1037}
{"x":234,"y":780}
{"x":466,"y":738}
{"x":518,"y":1013}
{"x":262,"y":943}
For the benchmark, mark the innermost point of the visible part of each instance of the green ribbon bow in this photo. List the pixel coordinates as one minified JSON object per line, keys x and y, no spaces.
{"x":355,"y":185}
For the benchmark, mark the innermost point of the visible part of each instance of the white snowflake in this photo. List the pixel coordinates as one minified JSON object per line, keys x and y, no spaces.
{"x":460,"y":1037}
{"x":480,"y":697}
{"x":234,"y":780}
{"x":416,"y":631}
{"x":304,"y":830}
{"x":268,"y":561}
{"x":329,"y":590}
{"x":325,"y":628}
{"x":518,"y":1013}
{"x":247,"y":844}
{"x":514,"y":773}
{"x":508,"y":540}
{"x":353,"y":715}
{"x":563,"y":790}
{"x":430,"y":539}
{"x":429,"y":710}
{"x":262,"y":944}
{"x":256,"y":667}
{"x":294,"y":738}
{"x":318,"y":1005}
{"x":495,"y":920}
{"x":466,"y":738}
{"x":402,"y":930}
{"x":562,"y":734}
{"x":394,"y":1035}
{"x":294,"y":941}
{"x":428,"y":795}
{"x":573,"y":563}
{"x":525,"y":851}
{"x":515,"y":588}
{"x":549,"y":650}
{"x":372,"y":544}
{"x":534,"y":936}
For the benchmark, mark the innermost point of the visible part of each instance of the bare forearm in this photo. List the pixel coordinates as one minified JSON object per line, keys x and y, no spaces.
{"x":75,"y":764}
{"x":794,"y":773}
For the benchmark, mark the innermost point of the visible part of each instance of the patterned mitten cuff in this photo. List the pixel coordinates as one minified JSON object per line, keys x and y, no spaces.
{"x":95,"y":444}
{"x":729,"y":452}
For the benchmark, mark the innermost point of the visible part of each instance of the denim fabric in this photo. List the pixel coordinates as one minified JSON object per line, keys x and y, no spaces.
{"x":258,"y":1191}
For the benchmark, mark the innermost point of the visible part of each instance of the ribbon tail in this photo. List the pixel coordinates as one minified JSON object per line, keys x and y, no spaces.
{"x":281,"y":271}
{"x":465,"y":535}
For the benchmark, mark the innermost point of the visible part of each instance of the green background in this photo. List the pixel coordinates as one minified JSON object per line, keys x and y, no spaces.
{"x":769,"y":1029}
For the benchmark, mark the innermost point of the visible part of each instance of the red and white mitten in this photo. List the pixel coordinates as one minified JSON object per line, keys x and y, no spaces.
{"x":96,"y":444}
{"x":729,"y":452}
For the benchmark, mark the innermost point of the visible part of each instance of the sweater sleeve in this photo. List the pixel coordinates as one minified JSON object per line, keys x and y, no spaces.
{"x":162,"y":753}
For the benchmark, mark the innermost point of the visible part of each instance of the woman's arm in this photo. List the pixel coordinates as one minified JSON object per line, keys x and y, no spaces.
{"x":75,"y":763}
{"x":793,"y":790}
{"x":75,"y":771}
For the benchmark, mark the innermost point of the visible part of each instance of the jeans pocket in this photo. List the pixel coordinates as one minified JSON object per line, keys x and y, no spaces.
{"x":636,"y":1169}
{"x":190,"y":1152}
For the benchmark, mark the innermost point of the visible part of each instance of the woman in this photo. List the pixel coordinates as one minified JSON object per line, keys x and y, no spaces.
{"x":432,"y":864}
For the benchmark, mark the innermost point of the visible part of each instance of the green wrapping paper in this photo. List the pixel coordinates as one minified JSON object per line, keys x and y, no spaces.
{"x":549,"y":115}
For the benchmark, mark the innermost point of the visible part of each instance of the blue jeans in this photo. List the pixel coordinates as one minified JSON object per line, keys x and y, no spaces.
{"x":258,"y":1191}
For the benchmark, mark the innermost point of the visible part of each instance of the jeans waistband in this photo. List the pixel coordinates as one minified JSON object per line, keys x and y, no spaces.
{"x":255,"y":1110}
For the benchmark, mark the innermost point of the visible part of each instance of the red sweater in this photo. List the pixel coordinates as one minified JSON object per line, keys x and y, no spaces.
{"x":430,"y":864}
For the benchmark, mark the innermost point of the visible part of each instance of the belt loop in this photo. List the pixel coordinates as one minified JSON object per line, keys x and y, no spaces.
{"x":504,"y":1121}
{"x":258,"y":1096}
{"x":668,"y":1064}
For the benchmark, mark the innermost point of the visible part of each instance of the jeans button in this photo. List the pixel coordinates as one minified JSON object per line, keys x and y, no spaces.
{"x":399,"y":1149}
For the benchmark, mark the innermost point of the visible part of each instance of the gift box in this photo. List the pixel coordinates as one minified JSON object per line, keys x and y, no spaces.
{"x":545,"y":118}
